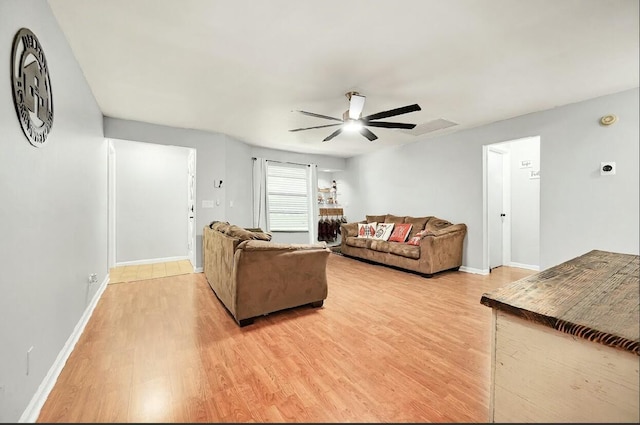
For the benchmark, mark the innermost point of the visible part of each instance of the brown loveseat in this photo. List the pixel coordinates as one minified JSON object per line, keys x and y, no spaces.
{"x":439,"y":248}
{"x":253,"y":276}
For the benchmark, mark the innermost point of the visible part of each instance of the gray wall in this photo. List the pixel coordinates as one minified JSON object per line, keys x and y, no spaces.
{"x":151,"y":202}
{"x":579,"y":209}
{"x":211,"y":165}
{"x":53,"y":212}
{"x":219,"y":157}
{"x":525,"y":203}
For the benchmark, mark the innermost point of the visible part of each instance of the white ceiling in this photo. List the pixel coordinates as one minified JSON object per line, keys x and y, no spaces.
{"x":241,"y":67}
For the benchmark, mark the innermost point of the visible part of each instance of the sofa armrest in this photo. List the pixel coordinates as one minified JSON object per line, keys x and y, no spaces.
{"x":449,"y":229}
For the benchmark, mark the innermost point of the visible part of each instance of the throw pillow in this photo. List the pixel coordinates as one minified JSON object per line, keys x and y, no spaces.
{"x":416,"y":239}
{"x":400,"y":232}
{"x":366,"y":230}
{"x":383,"y":231}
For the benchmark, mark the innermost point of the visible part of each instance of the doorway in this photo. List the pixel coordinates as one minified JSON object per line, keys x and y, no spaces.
{"x":511,"y":204}
{"x":151,"y":203}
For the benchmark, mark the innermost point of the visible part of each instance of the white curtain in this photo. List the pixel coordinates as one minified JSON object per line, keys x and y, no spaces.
{"x":313,"y":203}
{"x":260,"y":193}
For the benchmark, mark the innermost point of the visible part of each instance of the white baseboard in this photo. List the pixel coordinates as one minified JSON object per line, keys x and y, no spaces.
{"x":32,"y":411}
{"x":151,"y":261}
{"x":524,"y":266}
{"x":198,"y":269}
{"x":474,"y":271}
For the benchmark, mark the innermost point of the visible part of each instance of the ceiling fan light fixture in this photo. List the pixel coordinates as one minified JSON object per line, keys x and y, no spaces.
{"x":356,"y":104}
{"x":353,"y":126}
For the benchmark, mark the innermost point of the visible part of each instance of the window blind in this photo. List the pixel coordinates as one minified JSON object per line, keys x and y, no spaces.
{"x":287,"y":197}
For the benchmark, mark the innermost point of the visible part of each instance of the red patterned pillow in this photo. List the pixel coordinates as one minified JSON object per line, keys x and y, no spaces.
{"x":416,"y":239}
{"x":367,"y":230}
{"x":400,"y":232}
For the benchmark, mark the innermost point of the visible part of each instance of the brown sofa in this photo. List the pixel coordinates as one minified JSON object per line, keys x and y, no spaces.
{"x":440,"y":246}
{"x":253,"y":276}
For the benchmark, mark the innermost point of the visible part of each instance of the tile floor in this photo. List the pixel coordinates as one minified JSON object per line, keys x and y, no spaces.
{"x":149,"y":271}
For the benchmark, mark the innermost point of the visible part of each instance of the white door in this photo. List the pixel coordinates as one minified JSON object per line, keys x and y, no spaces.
{"x":191,"y":197}
{"x":495,"y":206}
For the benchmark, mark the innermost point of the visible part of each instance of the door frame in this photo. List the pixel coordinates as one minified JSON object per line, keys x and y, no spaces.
{"x":506,"y":204}
{"x":192,"y":180}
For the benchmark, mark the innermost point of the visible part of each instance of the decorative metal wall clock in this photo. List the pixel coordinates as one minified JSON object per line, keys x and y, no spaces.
{"x":31,"y":87}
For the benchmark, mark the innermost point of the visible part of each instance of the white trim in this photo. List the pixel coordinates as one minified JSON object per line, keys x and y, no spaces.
{"x":193,"y":158}
{"x":111,"y":190}
{"x":198,"y":269}
{"x":524,"y":266}
{"x":32,"y":411}
{"x":473,"y":270}
{"x":152,"y":260}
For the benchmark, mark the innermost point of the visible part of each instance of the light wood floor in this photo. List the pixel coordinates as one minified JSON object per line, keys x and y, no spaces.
{"x":149,"y":271}
{"x":387,"y":346}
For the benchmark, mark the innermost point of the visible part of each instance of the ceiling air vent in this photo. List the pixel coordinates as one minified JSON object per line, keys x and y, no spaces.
{"x":430,"y":126}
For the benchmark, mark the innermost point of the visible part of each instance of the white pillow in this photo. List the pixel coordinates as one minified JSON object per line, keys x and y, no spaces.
{"x":383,"y":231}
{"x":367,"y":230}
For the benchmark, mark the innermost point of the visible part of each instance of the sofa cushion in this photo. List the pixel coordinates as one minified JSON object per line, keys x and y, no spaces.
{"x":376,"y":218}
{"x":405,"y":250}
{"x":358,"y":242}
{"x":246,"y":235}
{"x":400,"y":232}
{"x":220,"y":226}
{"x":379,"y":245}
{"x":390,"y":218}
{"x":418,"y":224}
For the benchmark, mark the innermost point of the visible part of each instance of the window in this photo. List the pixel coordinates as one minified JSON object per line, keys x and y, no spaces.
{"x":287,"y":197}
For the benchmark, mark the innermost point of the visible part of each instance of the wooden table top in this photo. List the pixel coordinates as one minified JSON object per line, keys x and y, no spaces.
{"x":595,"y":296}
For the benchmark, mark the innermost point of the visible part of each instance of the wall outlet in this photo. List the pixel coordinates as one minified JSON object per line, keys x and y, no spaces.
{"x":607,"y":168}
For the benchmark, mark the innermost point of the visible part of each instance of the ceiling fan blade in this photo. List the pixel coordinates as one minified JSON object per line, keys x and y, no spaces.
{"x":311,"y":114}
{"x":393,"y":112}
{"x":385,"y":124}
{"x":368,"y":134}
{"x":332,"y":135}
{"x":356,"y":103}
{"x":318,"y":126}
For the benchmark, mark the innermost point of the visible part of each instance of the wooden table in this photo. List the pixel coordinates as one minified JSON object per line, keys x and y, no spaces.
{"x":566,"y":343}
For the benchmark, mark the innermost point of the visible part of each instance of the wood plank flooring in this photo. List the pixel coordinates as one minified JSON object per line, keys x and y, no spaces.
{"x":387,"y":346}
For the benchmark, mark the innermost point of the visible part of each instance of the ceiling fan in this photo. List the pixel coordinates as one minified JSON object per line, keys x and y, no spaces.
{"x":353,"y":121}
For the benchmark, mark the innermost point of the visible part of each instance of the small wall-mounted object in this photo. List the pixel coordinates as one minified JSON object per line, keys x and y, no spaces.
{"x":526,"y":163}
{"x":534,"y":174}
{"x":608,"y":119}
{"x":607,"y":168}
{"x":217,"y":184}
